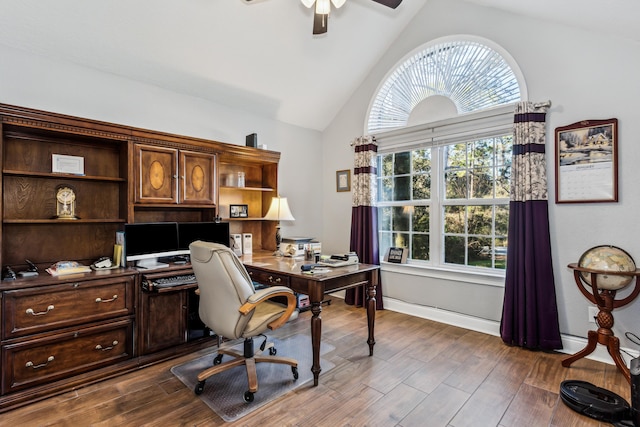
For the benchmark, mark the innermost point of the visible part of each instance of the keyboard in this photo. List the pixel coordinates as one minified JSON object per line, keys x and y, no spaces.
{"x":168,"y":282}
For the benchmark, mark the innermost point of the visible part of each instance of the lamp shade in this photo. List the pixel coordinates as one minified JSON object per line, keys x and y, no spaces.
{"x":279,"y":210}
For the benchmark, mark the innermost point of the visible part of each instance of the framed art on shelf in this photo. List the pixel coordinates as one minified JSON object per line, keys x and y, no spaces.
{"x":343,"y":180}
{"x":238,"y":211}
{"x":587,"y":162}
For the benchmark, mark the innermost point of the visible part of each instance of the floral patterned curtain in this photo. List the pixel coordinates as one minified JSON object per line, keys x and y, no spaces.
{"x":364,"y":214}
{"x":529,"y":313}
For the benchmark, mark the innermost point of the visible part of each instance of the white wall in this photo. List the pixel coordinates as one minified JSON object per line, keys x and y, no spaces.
{"x":36,"y":82}
{"x":587,"y":75}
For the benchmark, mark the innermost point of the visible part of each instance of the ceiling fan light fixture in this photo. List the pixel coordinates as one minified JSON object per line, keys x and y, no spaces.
{"x":338,"y":3}
{"x":323,"y":7}
{"x":308,"y":3}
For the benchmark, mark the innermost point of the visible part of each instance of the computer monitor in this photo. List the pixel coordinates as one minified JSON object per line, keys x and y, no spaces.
{"x":146,"y":242}
{"x":188,"y":232}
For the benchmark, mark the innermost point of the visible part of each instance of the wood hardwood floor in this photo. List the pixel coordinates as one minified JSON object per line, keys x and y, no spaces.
{"x":422,"y":373}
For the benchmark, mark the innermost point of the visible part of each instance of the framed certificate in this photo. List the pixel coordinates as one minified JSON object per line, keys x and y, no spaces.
{"x":61,"y":163}
{"x":587,"y":162}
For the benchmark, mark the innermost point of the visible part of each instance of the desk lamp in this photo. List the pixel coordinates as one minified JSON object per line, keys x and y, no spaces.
{"x":279,"y":211}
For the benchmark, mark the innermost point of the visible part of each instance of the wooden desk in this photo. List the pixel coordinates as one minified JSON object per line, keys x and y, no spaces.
{"x":268,"y":269}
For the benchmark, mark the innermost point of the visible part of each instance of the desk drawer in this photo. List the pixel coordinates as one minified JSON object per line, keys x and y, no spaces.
{"x":45,"y":308}
{"x":47,"y":359}
{"x":267,"y":278}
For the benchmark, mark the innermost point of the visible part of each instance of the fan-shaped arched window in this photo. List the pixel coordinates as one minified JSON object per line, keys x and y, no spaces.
{"x":443,"y":120}
{"x":454,"y":76}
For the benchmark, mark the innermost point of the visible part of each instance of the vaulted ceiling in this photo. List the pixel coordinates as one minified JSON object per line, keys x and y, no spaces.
{"x":259,"y":56}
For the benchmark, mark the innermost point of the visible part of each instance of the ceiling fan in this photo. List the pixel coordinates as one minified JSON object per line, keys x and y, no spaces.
{"x":323,"y":7}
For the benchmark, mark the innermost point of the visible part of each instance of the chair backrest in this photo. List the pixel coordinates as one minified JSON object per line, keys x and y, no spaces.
{"x":224,"y":287}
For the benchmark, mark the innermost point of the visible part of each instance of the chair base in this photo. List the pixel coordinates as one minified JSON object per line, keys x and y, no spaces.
{"x":249,"y":360}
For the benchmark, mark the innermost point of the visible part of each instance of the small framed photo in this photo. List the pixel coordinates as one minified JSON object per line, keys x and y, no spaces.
{"x":343,"y":180}
{"x":238,"y":211}
{"x":587,"y":162}
{"x":397,"y":255}
{"x":73,"y":165}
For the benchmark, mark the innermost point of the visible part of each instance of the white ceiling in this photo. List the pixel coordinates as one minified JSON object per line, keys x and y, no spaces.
{"x":258,"y":56}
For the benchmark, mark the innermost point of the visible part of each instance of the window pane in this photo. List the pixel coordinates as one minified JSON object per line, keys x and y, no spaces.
{"x":456,"y":185}
{"x":454,"y":217}
{"x":400,"y":218}
{"x":480,"y":219}
{"x":384,"y":218}
{"x":454,"y":251}
{"x":502,"y":220}
{"x":480,"y":252}
{"x":402,"y":163}
{"x":385,"y":190}
{"x":504,"y":150}
{"x":401,"y":240}
{"x":420,"y":247}
{"x":384,"y":242}
{"x":386,"y":165}
{"x":481,"y":185}
{"x":456,"y":156}
{"x":503,"y":182}
{"x":421,"y":187}
{"x":421,"y":219}
{"x":422,"y":161}
{"x":482,"y":153}
{"x":402,"y":188}
{"x":500,"y":255}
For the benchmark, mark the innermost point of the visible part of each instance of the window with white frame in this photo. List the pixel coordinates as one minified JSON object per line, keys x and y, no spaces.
{"x":443,"y":186}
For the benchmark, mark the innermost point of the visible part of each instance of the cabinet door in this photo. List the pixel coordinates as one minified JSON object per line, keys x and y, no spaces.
{"x":197,"y":177}
{"x":164,"y":320}
{"x":156,"y":173}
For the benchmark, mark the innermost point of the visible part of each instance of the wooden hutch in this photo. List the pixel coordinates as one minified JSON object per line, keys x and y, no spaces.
{"x":61,"y":332}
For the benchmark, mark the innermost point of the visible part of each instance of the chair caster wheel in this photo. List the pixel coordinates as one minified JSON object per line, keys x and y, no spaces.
{"x":217,"y":360}
{"x":294,"y":369}
{"x":199,"y":388}
{"x":248,"y":396}
{"x":273,"y":351}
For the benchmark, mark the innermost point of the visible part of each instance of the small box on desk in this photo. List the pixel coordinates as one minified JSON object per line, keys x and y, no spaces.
{"x":247,"y":243}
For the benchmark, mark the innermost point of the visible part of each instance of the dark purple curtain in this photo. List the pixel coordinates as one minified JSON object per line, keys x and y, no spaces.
{"x":529,"y":312}
{"x":364,"y":214}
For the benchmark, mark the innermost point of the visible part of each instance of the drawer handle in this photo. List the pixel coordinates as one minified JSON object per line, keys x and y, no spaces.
{"x":113,"y":344}
{"x":277,"y":280}
{"x":33,"y":313}
{"x":42,"y":365}
{"x":115,"y":297}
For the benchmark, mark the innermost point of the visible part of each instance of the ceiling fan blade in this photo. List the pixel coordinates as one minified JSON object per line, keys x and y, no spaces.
{"x":389,"y":3}
{"x":320,"y":22}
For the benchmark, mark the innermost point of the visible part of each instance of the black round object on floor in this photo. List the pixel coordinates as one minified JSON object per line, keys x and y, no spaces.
{"x":594,"y":402}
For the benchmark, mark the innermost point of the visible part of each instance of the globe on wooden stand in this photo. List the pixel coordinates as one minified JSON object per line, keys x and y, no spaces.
{"x":599,"y":274}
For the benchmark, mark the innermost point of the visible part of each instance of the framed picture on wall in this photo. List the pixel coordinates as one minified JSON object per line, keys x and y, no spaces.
{"x":587,"y":162}
{"x":343,"y":180}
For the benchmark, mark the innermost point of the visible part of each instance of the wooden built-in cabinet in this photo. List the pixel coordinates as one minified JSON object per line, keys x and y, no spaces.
{"x":168,"y":175}
{"x":62,"y":332}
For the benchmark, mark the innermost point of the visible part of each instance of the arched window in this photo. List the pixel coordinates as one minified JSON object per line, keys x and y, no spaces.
{"x":443,"y":121}
{"x":445,"y":78}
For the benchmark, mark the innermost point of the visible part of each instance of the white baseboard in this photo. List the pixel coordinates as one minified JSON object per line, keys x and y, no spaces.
{"x":571,"y":344}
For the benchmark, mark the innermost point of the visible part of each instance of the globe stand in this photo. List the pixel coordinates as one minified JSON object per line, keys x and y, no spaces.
{"x":606,"y":302}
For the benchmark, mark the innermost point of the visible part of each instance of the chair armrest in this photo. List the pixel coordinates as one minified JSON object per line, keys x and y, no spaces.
{"x":268,"y":293}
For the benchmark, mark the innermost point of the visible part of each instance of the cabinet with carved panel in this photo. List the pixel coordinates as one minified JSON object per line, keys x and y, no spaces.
{"x":169,"y":176}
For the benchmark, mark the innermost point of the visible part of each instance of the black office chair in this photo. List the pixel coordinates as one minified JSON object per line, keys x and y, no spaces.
{"x":232,"y":308}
